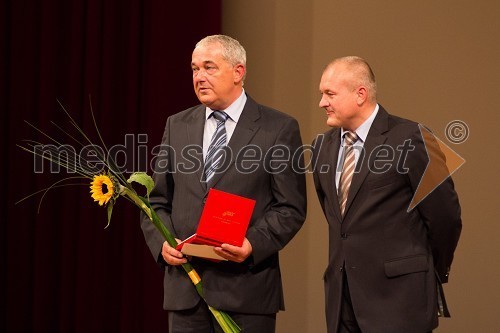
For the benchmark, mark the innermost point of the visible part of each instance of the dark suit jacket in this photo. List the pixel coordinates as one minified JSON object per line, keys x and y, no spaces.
{"x":391,"y":257}
{"x":253,"y":286}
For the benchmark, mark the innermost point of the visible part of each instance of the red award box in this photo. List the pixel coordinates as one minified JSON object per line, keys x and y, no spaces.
{"x":224,"y":219}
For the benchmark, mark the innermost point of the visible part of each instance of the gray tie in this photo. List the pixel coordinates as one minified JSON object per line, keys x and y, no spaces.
{"x":215,"y":152}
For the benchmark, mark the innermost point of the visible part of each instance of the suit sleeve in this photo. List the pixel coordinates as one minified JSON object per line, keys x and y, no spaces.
{"x":440,"y":209}
{"x":160,"y":199}
{"x":287,"y":212}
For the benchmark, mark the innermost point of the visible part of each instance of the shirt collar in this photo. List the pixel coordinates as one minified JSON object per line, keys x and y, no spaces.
{"x":234,"y":110}
{"x":364,"y":128}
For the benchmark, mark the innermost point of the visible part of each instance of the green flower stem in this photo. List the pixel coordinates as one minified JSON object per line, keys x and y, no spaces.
{"x":193,"y":275}
{"x":225,"y":321}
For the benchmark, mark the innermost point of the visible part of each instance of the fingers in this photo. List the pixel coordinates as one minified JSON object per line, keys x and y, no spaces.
{"x":235,"y":253}
{"x":226,"y":254}
{"x":172,"y":256}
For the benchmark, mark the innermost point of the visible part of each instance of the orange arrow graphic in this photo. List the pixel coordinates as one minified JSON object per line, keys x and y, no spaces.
{"x":443,"y":162}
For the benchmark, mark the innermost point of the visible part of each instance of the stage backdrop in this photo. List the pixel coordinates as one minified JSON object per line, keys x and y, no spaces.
{"x":62,"y":271}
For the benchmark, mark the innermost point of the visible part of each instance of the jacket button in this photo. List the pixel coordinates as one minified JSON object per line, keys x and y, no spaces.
{"x":341,"y":268}
{"x":343,"y":235}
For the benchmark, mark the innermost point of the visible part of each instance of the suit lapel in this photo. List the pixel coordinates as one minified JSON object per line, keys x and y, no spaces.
{"x":332,"y":156}
{"x":374,"y":139}
{"x":328,"y":151}
{"x":194,"y":129}
{"x":245,"y":129}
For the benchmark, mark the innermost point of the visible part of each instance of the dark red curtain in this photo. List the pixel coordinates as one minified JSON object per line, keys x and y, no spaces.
{"x":62,"y":271}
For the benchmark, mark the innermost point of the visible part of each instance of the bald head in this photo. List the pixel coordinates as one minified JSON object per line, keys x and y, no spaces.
{"x":348,"y":92}
{"x":355,"y":72}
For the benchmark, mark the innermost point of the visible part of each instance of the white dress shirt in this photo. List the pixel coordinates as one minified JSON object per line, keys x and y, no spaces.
{"x":362,"y":133}
{"x":234,"y":112}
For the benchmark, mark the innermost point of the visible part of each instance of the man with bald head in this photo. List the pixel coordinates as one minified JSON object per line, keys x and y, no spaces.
{"x":386,"y":261}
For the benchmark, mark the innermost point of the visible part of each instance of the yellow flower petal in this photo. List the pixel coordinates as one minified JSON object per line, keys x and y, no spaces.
{"x":100,"y":194}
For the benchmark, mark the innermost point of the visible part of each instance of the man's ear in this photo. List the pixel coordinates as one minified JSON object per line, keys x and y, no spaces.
{"x":239,"y":73}
{"x":362,"y":95}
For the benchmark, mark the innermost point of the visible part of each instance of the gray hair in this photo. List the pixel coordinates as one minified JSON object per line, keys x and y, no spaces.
{"x":232,"y":51}
{"x":362,"y":73}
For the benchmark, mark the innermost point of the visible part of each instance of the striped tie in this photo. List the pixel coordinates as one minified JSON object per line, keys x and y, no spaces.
{"x":347,"y":169}
{"x":215,"y":151}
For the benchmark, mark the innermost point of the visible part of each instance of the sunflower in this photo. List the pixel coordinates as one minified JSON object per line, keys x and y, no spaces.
{"x":102,"y":189}
{"x":107,"y":187}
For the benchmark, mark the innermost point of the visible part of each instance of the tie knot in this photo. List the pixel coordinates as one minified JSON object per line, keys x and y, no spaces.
{"x":220,"y":116}
{"x":350,"y":138}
